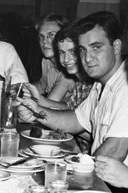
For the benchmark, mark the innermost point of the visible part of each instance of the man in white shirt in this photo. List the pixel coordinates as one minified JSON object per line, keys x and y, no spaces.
{"x":10,"y":66}
{"x":104,"y":113}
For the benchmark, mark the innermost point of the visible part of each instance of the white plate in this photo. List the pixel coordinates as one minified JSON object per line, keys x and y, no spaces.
{"x":12,"y":170}
{"x":4,"y":175}
{"x":26,"y":134}
{"x":29,"y":165}
{"x":29,"y":152}
{"x":26,"y":166}
{"x":23,"y":154}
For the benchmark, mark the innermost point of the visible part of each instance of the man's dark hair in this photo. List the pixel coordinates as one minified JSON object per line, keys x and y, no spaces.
{"x":106,"y":20}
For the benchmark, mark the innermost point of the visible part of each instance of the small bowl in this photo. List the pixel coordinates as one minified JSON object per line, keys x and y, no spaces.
{"x":45,"y":150}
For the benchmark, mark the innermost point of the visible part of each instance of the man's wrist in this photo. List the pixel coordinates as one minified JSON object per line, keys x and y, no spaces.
{"x":40,"y":114}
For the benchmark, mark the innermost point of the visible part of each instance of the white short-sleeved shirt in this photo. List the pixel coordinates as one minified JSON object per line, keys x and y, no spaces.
{"x":11,"y":65}
{"x":107,"y":117}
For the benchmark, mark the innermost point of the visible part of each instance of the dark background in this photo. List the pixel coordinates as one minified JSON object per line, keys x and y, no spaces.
{"x":70,"y":8}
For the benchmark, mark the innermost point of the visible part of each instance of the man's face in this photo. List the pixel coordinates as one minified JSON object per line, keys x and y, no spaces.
{"x":97,"y":54}
{"x":46,"y":35}
{"x":67,"y":55}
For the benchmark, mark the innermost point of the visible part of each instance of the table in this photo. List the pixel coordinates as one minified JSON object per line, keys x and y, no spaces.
{"x":76,"y":182}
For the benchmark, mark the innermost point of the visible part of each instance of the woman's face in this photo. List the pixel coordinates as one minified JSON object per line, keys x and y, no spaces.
{"x":67,"y":55}
{"x":47,"y":33}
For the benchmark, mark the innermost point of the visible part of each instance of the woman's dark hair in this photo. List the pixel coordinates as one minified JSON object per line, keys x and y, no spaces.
{"x":65,"y":33}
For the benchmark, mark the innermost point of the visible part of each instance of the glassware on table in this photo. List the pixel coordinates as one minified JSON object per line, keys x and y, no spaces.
{"x":58,"y":186}
{"x":9,"y":144}
{"x":8,"y":114}
{"x":55,"y":170}
{"x":36,"y":189}
{"x":8,"y":110}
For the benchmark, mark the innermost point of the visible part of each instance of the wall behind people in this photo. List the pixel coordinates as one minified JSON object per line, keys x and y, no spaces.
{"x":31,"y":53}
{"x":67,"y":8}
{"x":86,"y":7}
{"x":124,"y":12}
{"x":22,"y":34}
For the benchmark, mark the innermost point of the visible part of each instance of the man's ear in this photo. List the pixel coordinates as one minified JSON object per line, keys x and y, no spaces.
{"x":117,"y":46}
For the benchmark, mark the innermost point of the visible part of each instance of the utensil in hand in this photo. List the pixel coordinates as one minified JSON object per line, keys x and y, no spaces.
{"x":21,"y":84}
{"x":37,"y":115}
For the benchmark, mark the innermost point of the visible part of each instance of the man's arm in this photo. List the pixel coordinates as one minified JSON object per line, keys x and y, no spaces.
{"x":54,"y":119}
{"x":65,"y":120}
{"x":114,"y":147}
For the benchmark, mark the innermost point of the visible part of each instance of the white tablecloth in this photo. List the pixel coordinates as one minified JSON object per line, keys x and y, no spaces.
{"x":16,"y":184}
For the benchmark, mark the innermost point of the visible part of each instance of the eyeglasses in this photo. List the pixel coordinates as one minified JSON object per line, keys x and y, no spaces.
{"x":49,"y":36}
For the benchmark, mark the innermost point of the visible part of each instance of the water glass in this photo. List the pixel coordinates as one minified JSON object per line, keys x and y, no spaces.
{"x":9,"y":144}
{"x":58,"y":186}
{"x":8,"y":113}
{"x":55,"y":171}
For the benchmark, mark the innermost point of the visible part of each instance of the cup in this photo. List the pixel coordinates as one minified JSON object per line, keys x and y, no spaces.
{"x":8,"y":113}
{"x":58,"y":186}
{"x":55,"y":171}
{"x":9,"y":144}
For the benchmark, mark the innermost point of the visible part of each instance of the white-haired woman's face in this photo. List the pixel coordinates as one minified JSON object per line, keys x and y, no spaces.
{"x":47,"y":33}
{"x":67,"y":55}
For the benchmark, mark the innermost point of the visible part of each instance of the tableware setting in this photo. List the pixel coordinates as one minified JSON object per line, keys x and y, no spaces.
{"x":21,"y":165}
{"x":81,"y":163}
{"x":36,"y":189}
{"x":4,"y":175}
{"x":44,"y":151}
{"x":54,"y":171}
{"x":9,"y":144}
{"x":47,"y":136}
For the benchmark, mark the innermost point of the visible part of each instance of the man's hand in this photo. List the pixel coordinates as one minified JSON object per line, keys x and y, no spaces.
{"x":31,"y":91}
{"x":112,"y":171}
{"x":24,"y":113}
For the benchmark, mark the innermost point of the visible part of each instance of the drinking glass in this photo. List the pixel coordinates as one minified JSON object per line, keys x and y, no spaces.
{"x":9,"y":144}
{"x":55,"y":171}
{"x":58,"y":186}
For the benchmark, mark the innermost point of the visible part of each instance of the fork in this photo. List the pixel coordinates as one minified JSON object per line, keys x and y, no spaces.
{"x":7,"y":165}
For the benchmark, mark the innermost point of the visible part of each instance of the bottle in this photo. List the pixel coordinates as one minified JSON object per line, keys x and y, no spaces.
{"x":2,"y":89}
{"x":8,"y":111}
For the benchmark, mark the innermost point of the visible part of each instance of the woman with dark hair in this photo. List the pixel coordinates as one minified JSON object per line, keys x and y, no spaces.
{"x":67,"y":55}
